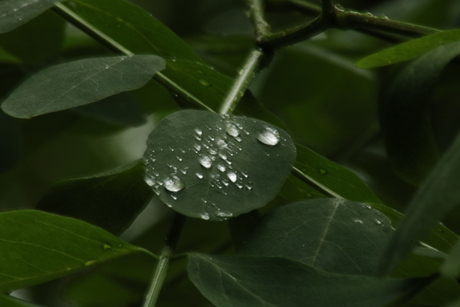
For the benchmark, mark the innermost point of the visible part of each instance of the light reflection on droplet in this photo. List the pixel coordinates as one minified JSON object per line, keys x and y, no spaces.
{"x":269,"y":136}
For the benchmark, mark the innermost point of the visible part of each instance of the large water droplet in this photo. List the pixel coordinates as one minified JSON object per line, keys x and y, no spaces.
{"x":173,"y":184}
{"x":232,"y":130}
{"x":269,"y":136}
{"x":232,"y":176}
{"x":150,"y":181}
{"x":205,"y":161}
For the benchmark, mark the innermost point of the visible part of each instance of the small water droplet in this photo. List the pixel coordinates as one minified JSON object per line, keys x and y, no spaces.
{"x":198,"y":131}
{"x":106,"y":246}
{"x":150,"y":181}
{"x":232,"y":176}
{"x":211,"y":151}
{"x":173,"y":184}
{"x":322,"y":171}
{"x":244,"y":174}
{"x":90,"y":262}
{"x":224,"y":214}
{"x":204,"y":216}
{"x":358,"y":221}
{"x":173,"y":196}
{"x":197,"y":147}
{"x":220,"y":167}
{"x":269,"y":136}
{"x":249,"y":187}
{"x":199,"y":175}
{"x":205,"y":161}
{"x":204,"y":82}
{"x":222,"y":144}
{"x":368,"y":207}
{"x":378,"y":222}
{"x":238,"y":139}
{"x":170,"y":148}
{"x":179,"y":158}
{"x":232,"y":130}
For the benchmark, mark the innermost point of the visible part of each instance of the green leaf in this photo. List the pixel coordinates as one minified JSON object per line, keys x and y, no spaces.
{"x":405,"y":116}
{"x":331,"y":178}
{"x":272,"y":281}
{"x":77,"y":83}
{"x":321,"y":231}
{"x":451,"y":266}
{"x":38,"y":247}
{"x":438,"y":195}
{"x":11,"y":141}
{"x":409,"y":50}
{"x":215,"y":166}
{"x":44,"y":35}
{"x":132,"y":27}
{"x":8,"y":301}
{"x":110,"y":200}
{"x":18,"y":12}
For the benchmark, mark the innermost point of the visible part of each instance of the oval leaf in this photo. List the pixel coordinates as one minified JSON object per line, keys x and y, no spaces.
{"x":438,"y":195}
{"x":215,"y":166}
{"x":18,"y":12}
{"x":80,"y":82}
{"x":409,"y":50}
{"x":109,"y":200}
{"x":405,"y":113}
{"x":38,"y":247}
{"x":333,"y":235}
{"x":278,"y":282}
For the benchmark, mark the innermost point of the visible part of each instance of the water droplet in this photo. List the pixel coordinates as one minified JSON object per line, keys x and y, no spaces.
{"x":222,"y":144}
{"x":249,"y":187}
{"x":198,"y":131}
{"x":170,"y":148}
{"x":269,"y":136}
{"x":232,"y":176}
{"x":199,"y":175}
{"x":150,"y":181}
{"x":205,"y":161}
{"x":204,"y":216}
{"x":244,"y":174}
{"x":232,"y":130}
{"x":211,"y":151}
{"x":358,"y":221}
{"x":106,"y":246}
{"x":378,"y":222}
{"x":197,"y":147}
{"x":368,"y":207}
{"x":173,"y":184}
{"x":238,"y":139}
{"x":173,"y":196}
{"x":224,"y":214}
{"x":322,"y":171}
{"x":179,"y":158}
{"x":205,"y":83}
{"x":90,"y":262}
{"x":220,"y":167}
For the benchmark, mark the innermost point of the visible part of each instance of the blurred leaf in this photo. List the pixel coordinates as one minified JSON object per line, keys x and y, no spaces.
{"x":38,"y":247}
{"x":110,"y":200}
{"x":451,"y":266}
{"x":80,"y":82}
{"x":11,"y":141}
{"x":455,"y":303}
{"x":121,"y":110}
{"x":331,"y":178}
{"x":133,"y":28}
{"x":272,"y":281}
{"x":322,"y":231}
{"x":36,"y":41}
{"x":8,"y":301}
{"x":19,"y":12}
{"x":409,"y":50}
{"x":438,"y":195}
{"x":405,"y":113}
{"x":216,"y":166}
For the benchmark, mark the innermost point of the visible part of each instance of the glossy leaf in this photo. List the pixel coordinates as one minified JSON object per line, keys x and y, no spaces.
{"x":438,"y":195}
{"x":331,"y":178}
{"x":132,"y":27}
{"x":77,"y":83}
{"x":8,"y":301}
{"x":272,"y":281}
{"x":215,"y":166}
{"x":38,"y":247}
{"x":409,"y":50}
{"x":405,"y":113}
{"x":18,"y":12}
{"x":110,"y":200}
{"x":333,"y":235}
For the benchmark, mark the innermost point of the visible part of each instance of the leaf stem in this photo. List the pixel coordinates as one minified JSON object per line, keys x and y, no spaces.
{"x":241,"y":83}
{"x":256,"y":13}
{"x":161,"y":270}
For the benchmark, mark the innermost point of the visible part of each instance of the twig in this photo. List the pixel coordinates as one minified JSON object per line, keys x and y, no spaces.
{"x":256,"y":13}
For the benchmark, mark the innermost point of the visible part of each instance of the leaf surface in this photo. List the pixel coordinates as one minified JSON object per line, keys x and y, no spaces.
{"x":38,"y":247}
{"x":81,"y":82}
{"x":272,"y":281}
{"x":215,"y":166}
{"x":15,"y":13}
{"x":409,"y":50}
{"x":405,"y":113}
{"x":438,"y":195}
{"x":8,"y":301}
{"x":109,"y":200}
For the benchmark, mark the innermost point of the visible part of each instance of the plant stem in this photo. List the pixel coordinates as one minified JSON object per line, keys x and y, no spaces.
{"x":256,"y":13}
{"x":161,"y":270}
{"x":241,"y":83}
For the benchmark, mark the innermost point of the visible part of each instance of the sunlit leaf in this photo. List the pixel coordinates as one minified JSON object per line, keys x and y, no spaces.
{"x":80,"y":82}
{"x":110,"y":200}
{"x":272,"y":281}
{"x":405,"y":113}
{"x":409,"y":50}
{"x":18,"y":12}
{"x":215,"y":166}
{"x":38,"y":247}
